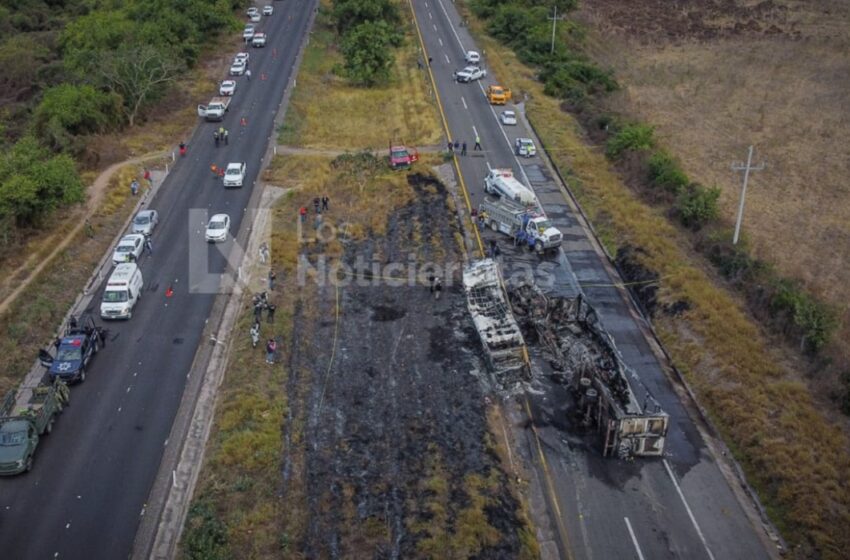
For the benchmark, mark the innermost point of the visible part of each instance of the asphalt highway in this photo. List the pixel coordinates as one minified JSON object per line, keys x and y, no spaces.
{"x":92,"y":475}
{"x":677,"y":507}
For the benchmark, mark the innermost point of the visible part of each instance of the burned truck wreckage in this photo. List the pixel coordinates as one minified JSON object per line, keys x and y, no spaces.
{"x":579,"y":350}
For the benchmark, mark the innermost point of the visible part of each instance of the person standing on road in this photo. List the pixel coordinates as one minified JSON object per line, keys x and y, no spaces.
{"x":477,"y":143}
{"x":215,"y":137}
{"x":272,"y":277}
{"x":214,"y":170}
{"x":457,"y":146}
{"x":226,"y":136}
{"x":463,"y":149}
{"x":134,"y":187}
{"x":148,"y":245}
{"x":248,"y":75}
{"x":449,"y":145}
{"x":438,"y":287}
{"x":271,"y":308}
{"x":255,"y":335}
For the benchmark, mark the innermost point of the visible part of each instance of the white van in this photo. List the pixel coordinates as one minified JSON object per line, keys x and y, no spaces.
{"x":123,"y":291}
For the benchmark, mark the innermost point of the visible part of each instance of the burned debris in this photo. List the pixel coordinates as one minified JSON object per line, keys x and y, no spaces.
{"x":500,"y":335}
{"x":570,"y":331}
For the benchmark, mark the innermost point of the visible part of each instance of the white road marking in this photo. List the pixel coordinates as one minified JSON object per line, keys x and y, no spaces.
{"x":475,"y":130}
{"x":430,"y":16}
{"x":128,"y":388}
{"x":464,"y":102}
{"x":447,"y":60}
{"x":440,"y":40}
{"x":435,"y":28}
{"x":688,"y":509}
{"x":451,"y":26}
{"x":634,"y":540}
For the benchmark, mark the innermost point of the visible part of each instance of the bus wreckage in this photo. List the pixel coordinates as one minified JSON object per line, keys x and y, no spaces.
{"x":579,"y":348}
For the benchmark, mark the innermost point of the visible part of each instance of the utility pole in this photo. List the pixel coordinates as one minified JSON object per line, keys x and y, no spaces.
{"x":554,"y":19}
{"x":746,"y":169}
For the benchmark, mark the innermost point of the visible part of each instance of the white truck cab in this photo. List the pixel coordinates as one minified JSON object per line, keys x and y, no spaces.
{"x":503,"y":183}
{"x":123,"y":290}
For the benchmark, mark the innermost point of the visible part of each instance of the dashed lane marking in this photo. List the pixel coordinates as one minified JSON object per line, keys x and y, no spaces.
{"x":634,"y":539}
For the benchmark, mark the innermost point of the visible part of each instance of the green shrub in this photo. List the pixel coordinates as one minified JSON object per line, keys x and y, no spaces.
{"x":206,"y":535}
{"x":348,"y":14}
{"x":664,"y":172}
{"x":632,"y":137}
{"x":697,"y":205}
{"x":814,"y":321}
{"x":67,"y":111}
{"x":368,"y":52}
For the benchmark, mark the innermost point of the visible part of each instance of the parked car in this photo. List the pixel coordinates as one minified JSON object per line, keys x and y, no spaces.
{"x":268,"y":10}
{"x":255,"y":17}
{"x":145,"y":221}
{"x":472,"y":57}
{"x":252,"y":11}
{"x":234,"y":175}
{"x":129,"y":248}
{"x":243,"y":56}
{"x":525,"y":147}
{"x":259,"y":40}
{"x":470,"y":73}
{"x":227,"y":87}
{"x":237,"y":68}
{"x":218,"y":228}
{"x":508,"y":118}
{"x":248,"y":33}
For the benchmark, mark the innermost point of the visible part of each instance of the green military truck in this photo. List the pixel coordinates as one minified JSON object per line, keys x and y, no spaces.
{"x":27,"y":414}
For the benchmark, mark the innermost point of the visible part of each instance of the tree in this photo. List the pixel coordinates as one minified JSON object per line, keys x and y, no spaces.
{"x":20,"y":59}
{"x":368,"y":52}
{"x":351,"y":13}
{"x":697,"y":205}
{"x":69,"y":110}
{"x":139,"y":74}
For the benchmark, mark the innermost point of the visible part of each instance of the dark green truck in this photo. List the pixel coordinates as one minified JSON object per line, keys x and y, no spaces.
{"x":27,"y":414}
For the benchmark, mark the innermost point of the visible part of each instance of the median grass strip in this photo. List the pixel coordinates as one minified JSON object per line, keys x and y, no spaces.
{"x":791,"y":454}
{"x":326,"y":112}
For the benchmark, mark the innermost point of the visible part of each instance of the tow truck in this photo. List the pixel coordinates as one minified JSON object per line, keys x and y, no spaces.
{"x":27,"y":414}
{"x":525,"y":226}
{"x":498,"y":95}
{"x":75,"y":350}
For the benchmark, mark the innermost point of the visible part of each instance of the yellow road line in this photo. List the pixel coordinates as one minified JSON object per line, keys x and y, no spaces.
{"x":550,"y":487}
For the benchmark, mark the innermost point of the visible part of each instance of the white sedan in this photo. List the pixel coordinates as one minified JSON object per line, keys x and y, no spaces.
{"x":255,"y":17}
{"x":248,"y":34}
{"x":227,"y":87}
{"x":508,"y":118}
{"x":129,"y":248}
{"x":243,"y":56}
{"x":234,"y":175}
{"x":268,"y":10}
{"x":470,"y":73}
{"x":252,"y":11}
{"x":218,"y":228}
{"x":472,"y":57}
{"x":237,"y":68}
{"x":259,"y":40}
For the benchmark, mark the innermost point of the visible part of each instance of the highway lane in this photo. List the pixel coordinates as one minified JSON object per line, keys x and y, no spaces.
{"x":92,"y":476}
{"x":679,"y":507}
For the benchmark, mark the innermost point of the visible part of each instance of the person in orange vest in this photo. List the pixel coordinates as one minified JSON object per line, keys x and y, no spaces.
{"x":303,"y":213}
{"x":214,"y":170}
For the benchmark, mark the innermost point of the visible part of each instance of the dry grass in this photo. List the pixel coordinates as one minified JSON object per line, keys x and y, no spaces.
{"x":785,"y":92}
{"x":791,"y":454}
{"x":327,"y":113}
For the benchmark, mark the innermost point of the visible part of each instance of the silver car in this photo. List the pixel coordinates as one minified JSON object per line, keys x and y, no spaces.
{"x":145,"y":222}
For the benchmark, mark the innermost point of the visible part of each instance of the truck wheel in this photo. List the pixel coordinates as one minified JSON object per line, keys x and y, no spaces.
{"x":494,"y":225}
{"x":538,"y":246}
{"x":49,"y":427}
{"x":96,"y":344}
{"x":28,"y":468}
{"x":82,"y":375}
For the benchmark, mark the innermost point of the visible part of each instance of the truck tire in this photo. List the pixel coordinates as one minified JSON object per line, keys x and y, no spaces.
{"x":538,"y":246}
{"x":83,"y":375}
{"x":28,"y":467}
{"x":494,"y":225}
{"x":49,"y":428}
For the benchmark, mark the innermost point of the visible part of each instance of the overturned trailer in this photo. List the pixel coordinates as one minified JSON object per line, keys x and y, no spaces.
{"x":487,"y":302}
{"x":583,"y":351}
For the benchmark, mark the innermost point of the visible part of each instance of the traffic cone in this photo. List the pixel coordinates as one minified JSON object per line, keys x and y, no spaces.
{"x":169,"y":292}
